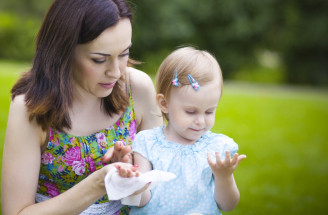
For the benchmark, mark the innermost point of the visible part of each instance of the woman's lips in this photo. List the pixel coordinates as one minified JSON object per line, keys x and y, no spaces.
{"x":107,"y":85}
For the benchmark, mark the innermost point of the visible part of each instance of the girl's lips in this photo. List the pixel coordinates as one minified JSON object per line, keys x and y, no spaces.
{"x":197,"y":130}
{"x":107,"y":85}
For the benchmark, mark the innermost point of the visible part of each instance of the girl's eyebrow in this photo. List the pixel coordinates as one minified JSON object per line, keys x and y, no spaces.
{"x":104,"y":54}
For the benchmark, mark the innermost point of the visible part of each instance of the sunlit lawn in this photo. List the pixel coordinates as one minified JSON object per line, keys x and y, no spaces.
{"x":282,"y":130}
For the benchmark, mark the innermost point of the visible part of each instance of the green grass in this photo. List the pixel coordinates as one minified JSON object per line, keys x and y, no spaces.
{"x":283,"y":132}
{"x":281,"y":129}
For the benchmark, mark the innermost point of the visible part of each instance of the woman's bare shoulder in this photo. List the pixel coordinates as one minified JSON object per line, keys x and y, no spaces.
{"x":139,"y":78}
{"x":19,"y":119}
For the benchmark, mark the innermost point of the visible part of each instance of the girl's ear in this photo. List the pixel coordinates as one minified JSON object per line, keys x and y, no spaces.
{"x":162,"y":103}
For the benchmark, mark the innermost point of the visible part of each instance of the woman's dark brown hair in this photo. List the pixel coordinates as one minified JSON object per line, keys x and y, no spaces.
{"x":48,"y":85}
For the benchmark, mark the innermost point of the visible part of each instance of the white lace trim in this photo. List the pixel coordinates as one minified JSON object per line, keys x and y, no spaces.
{"x":107,"y":208}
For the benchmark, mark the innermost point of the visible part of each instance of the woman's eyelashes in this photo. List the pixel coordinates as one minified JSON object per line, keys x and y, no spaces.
{"x":98,"y":61}
{"x":125,"y":54}
{"x":103,"y":60}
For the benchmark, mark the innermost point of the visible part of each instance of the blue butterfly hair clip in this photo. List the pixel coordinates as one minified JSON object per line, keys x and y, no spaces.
{"x":193,"y":82}
{"x":175,"y":81}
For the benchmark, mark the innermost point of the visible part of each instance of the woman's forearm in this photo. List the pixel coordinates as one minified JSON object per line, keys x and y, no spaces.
{"x":74,"y":200}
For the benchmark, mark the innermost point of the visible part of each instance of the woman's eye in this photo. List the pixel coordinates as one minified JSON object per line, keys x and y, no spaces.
{"x":125,"y":54}
{"x":98,"y":61}
{"x":190,"y":112}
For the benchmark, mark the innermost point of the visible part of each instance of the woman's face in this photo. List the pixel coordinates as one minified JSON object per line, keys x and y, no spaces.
{"x":99,"y":64}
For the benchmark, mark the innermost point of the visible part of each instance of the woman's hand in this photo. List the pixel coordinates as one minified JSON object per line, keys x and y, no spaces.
{"x":118,"y":153}
{"x":224,"y":168}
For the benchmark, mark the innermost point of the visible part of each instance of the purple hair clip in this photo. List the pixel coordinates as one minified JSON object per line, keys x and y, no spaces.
{"x":175,"y":80}
{"x":193,"y":82}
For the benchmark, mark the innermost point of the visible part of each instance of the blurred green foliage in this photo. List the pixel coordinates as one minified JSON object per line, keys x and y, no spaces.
{"x":238,"y":32}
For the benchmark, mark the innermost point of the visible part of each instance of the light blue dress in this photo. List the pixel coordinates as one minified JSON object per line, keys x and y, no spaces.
{"x":193,"y":189}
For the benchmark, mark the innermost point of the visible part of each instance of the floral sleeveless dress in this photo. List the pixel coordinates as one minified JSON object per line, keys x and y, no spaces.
{"x":69,"y":159}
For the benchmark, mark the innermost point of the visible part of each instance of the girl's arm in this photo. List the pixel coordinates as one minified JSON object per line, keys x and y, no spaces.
{"x":143,"y":166}
{"x":20,"y":171}
{"x":226,"y":193}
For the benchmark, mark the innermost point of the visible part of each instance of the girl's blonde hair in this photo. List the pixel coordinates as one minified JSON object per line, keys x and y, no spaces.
{"x":200,"y":64}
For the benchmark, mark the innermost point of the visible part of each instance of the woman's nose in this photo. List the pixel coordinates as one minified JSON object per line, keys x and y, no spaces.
{"x":113,"y":69}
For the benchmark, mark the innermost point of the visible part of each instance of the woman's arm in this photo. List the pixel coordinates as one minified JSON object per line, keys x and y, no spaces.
{"x":20,"y":171}
{"x":148,"y":114}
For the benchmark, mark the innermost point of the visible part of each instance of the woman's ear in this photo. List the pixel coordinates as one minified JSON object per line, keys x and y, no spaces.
{"x":162,"y":103}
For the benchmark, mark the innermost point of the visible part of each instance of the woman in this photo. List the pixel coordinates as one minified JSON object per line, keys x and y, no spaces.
{"x":78,"y":100}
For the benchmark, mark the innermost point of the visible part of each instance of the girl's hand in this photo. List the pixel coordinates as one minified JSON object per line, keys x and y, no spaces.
{"x":224,"y":168}
{"x":127,"y":170}
{"x":118,"y":153}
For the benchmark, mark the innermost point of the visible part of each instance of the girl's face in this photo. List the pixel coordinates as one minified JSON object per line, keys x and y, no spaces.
{"x":191,"y":113}
{"x":99,"y":64}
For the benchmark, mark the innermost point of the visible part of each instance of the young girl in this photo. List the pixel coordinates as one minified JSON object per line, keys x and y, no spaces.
{"x":189,"y":87}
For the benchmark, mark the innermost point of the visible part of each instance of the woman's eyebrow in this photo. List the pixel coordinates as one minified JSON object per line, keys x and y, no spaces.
{"x":104,"y":54}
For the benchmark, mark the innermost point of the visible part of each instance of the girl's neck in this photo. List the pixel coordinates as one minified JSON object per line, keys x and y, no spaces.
{"x":172,"y":136}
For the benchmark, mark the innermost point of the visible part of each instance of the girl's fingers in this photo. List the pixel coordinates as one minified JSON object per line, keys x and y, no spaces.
{"x":118,"y":146}
{"x":218,"y":158}
{"x":210,"y":161}
{"x":227,"y":156}
{"x":240,"y":158}
{"x":234,"y":159}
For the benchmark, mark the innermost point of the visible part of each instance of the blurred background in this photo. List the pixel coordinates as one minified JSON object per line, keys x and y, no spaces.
{"x":274,"y":58}
{"x":272,"y":41}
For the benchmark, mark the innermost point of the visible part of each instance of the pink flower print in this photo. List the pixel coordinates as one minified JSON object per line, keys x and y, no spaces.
{"x":92,"y":165}
{"x":73,"y":141}
{"x":101,"y":140}
{"x":55,"y":141}
{"x":51,"y":134}
{"x":61,"y":168}
{"x":133,"y":129}
{"x":79,"y":167}
{"x":59,"y":159}
{"x":71,"y":155}
{"x":51,"y":189}
{"x":122,"y":125}
{"x":47,"y":158}
{"x":195,"y":86}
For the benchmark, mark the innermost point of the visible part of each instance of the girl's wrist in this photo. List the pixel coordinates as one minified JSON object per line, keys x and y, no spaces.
{"x":224,"y":177}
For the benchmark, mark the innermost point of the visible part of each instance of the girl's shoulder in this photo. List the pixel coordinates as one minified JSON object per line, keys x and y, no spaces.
{"x":150,"y":134}
{"x":221,"y":142}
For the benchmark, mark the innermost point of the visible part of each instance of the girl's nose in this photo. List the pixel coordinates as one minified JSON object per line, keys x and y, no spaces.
{"x":200,"y":120}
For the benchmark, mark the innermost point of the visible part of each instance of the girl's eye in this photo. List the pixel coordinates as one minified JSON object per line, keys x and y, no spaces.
{"x":190,"y":112}
{"x":98,"y":61}
{"x":209,"y":112}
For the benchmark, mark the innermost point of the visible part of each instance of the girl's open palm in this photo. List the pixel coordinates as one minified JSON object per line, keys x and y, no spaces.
{"x":226,"y":167}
